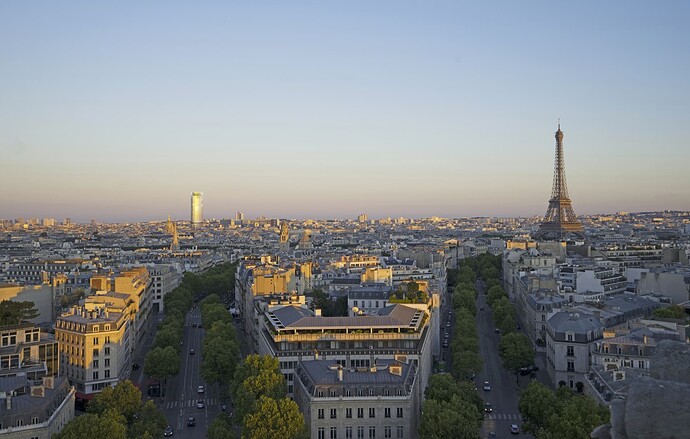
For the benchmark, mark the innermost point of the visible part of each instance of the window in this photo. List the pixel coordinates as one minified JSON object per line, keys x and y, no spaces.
{"x":372,"y":432}
{"x":348,"y":413}
{"x":371,"y":392}
{"x":355,"y":303}
{"x":107,"y":339}
{"x":619,"y":350}
{"x":95,"y":375}
{"x":360,"y":432}
{"x":321,"y":416}
{"x":322,"y":433}
{"x":570,"y":351}
{"x":95,"y":352}
{"x":106,"y":362}
{"x":360,"y":412}
{"x":372,"y":412}
{"x":95,"y":340}
{"x":400,"y":412}
{"x":570,"y":336}
{"x":106,"y":351}
{"x":387,"y":431}
{"x":34,"y":420}
{"x":387,"y":412}
{"x":107,"y":373}
{"x":334,"y":432}
{"x":333,"y":413}
{"x":348,"y":432}
{"x":606,"y":349}
{"x":400,"y":431}
{"x":20,"y":422}
{"x":571,"y":366}
{"x":95,"y":363}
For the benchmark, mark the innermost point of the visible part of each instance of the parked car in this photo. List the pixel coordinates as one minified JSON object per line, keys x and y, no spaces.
{"x":191,"y":422}
{"x":168,"y":431}
{"x":514,"y":429}
{"x":487,"y":386}
{"x":200,"y":403}
{"x":200,"y":389}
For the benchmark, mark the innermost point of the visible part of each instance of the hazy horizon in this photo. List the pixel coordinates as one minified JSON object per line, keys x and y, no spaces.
{"x":327,"y":110}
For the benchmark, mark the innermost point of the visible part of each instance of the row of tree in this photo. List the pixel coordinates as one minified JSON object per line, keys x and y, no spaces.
{"x":163,"y":360}
{"x":220,"y":349}
{"x":117,"y":413}
{"x":452,"y":407}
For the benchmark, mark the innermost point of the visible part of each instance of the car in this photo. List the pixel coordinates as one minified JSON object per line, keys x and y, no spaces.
{"x":200,"y":325}
{"x":492,"y":435}
{"x":481,"y":308}
{"x":191,"y":422}
{"x":525,"y":371}
{"x":497,"y":331}
{"x":200,"y":389}
{"x":168,"y":431}
{"x":135,"y":366}
{"x":514,"y":429}
{"x":445,"y":344}
{"x":487,"y":386}
{"x":193,"y":325}
{"x":488,"y":408}
{"x":200,"y":403}
{"x":191,"y":352}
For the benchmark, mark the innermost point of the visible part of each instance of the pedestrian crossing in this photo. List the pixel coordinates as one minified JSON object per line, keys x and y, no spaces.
{"x":191,"y":403}
{"x":507,"y":417}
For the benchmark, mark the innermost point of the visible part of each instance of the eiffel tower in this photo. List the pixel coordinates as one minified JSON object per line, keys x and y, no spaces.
{"x":560,"y":218}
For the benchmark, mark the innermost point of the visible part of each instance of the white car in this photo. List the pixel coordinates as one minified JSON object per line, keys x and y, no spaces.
{"x":200,"y":389}
{"x":487,"y":386}
{"x":514,"y":429}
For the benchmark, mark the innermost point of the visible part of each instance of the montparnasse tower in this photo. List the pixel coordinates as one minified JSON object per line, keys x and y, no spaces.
{"x":560,"y":219}
{"x":197,"y":208}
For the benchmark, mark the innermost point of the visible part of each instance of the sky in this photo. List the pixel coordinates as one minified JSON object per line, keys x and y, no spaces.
{"x":117,"y":111}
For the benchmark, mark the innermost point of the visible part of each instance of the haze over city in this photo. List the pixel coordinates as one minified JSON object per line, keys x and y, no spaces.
{"x":304,"y":109}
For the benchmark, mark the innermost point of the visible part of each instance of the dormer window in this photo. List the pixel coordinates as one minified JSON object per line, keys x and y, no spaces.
{"x":570,"y":336}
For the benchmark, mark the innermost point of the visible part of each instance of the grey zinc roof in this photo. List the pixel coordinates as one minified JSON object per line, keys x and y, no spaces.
{"x":320,"y":373}
{"x":393,"y":316}
{"x":575,"y":322}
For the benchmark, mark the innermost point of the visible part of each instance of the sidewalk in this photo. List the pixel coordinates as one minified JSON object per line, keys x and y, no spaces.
{"x":137,"y":376}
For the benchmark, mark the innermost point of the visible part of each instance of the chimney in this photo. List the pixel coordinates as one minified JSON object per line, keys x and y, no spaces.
{"x":340,"y":373}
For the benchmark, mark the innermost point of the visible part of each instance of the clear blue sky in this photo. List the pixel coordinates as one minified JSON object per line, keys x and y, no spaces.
{"x":119,"y":110}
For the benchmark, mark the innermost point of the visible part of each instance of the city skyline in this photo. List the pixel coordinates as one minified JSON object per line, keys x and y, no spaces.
{"x":329,"y":111}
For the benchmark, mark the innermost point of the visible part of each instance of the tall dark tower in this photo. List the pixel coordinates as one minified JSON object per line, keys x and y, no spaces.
{"x":560,"y":218}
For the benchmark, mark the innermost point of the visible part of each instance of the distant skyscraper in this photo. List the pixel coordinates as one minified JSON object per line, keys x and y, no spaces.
{"x":362,"y":218}
{"x":560,"y":218}
{"x":197,"y":208}
{"x":239,"y":216}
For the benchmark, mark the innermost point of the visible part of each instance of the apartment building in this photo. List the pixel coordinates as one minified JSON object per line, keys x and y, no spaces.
{"x":95,"y":346}
{"x":26,"y":343}
{"x":294,"y":334}
{"x":164,"y":279}
{"x":570,"y":339}
{"x":380,"y":401}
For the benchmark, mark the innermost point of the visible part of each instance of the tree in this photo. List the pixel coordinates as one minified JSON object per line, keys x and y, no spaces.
{"x":537,"y":403}
{"x":670,"y":312}
{"x":220,"y":353}
{"x":124,"y":398}
{"x":507,"y":325}
{"x":110,"y":425}
{"x":516,"y":352}
{"x":12,"y":312}
{"x":221,"y":428}
{"x":162,"y":363}
{"x":441,"y":387}
{"x":441,"y":420}
{"x":214,"y":312}
{"x":150,"y":421}
{"x":256,"y":376}
{"x":274,"y":419}
{"x":466,"y":363}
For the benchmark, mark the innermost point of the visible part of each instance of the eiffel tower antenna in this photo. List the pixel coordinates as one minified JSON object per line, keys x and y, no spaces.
{"x":560,"y":218}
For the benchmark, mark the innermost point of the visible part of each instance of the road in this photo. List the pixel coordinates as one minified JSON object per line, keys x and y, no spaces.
{"x":182,"y":394}
{"x":503,"y":395}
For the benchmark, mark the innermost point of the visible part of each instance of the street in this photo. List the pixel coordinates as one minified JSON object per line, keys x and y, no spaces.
{"x":503,"y":395}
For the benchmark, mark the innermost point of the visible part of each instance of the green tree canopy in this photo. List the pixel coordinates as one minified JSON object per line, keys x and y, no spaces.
{"x":274,"y":419}
{"x":109,"y":425}
{"x":150,"y":422}
{"x":671,"y":312}
{"x":466,"y":363}
{"x":442,"y":420}
{"x":220,"y":353}
{"x":516,"y":351}
{"x":162,"y":363}
{"x":12,"y":313}
{"x":256,"y":376}
{"x":124,"y":398}
{"x":221,"y":428}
